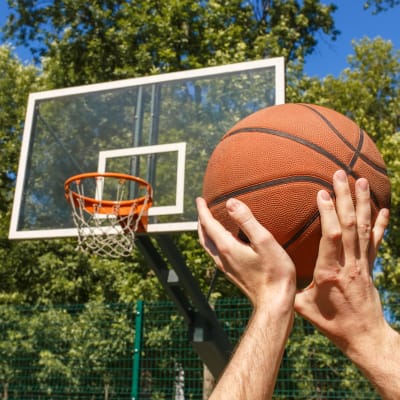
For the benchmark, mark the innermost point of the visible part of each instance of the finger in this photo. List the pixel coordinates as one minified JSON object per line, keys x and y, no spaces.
{"x":207,"y":223}
{"x":305,"y":304}
{"x":378,"y":232}
{"x":206,"y":242}
{"x":363,"y":214}
{"x":219,"y":243}
{"x":346,"y":213}
{"x":330,"y":243}
{"x":249,"y":225}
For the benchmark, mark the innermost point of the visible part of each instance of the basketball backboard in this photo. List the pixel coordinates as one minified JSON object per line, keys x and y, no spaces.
{"x":161,"y":128}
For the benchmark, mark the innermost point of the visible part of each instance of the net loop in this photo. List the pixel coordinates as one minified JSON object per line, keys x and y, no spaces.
{"x":108,"y":209}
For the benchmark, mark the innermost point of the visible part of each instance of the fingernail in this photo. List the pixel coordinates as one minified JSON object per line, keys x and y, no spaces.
{"x":385,"y":212}
{"x":232,"y":204}
{"x":363,"y":184}
{"x":324,"y":195}
{"x":341,"y":175}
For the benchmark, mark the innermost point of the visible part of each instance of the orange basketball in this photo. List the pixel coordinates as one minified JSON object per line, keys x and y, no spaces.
{"x":277,"y":159}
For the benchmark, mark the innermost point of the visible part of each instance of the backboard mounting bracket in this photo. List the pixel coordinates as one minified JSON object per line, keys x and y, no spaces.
{"x":206,"y":334}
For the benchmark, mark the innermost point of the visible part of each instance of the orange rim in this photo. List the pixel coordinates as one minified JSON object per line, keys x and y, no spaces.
{"x":123,"y":207}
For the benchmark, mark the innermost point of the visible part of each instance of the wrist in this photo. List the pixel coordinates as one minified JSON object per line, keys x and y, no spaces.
{"x":377,"y":357}
{"x":277,"y":299}
{"x":275,"y":310}
{"x":383,"y":339}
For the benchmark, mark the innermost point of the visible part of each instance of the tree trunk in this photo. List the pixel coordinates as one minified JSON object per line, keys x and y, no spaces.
{"x":5,"y":391}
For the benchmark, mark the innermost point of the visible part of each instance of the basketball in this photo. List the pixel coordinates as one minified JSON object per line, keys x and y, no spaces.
{"x":277,"y":159}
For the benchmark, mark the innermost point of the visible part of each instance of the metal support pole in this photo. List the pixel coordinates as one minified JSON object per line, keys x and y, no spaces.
{"x":153,"y":132}
{"x":137,"y":350}
{"x":137,"y":140}
{"x":206,"y":334}
{"x":166,"y":276}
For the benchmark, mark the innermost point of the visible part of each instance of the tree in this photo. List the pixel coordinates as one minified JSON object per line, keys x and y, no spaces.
{"x":16,"y":80}
{"x":54,"y":351}
{"x":85,"y":42}
{"x":381,"y":5}
{"x":15,"y":344}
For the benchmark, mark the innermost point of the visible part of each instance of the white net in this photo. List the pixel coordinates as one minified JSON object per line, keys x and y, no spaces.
{"x":107,"y":233}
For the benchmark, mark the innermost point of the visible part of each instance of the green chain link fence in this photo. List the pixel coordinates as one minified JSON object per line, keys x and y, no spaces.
{"x":95,"y":351}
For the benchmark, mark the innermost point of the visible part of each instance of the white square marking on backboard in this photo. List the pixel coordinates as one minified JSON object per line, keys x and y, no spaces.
{"x":176,"y":208}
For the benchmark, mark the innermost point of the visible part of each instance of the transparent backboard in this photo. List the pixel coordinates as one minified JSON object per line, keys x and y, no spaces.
{"x":161,"y":128}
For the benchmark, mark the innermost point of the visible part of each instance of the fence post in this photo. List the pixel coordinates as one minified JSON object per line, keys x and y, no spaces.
{"x":137,"y":350}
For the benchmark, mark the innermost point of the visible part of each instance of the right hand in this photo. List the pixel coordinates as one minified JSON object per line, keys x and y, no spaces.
{"x":342,"y":301}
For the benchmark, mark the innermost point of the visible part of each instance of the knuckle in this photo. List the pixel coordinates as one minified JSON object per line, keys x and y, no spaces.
{"x":330,"y":274}
{"x":349,"y":222}
{"x":265,"y":238}
{"x":365,"y":229}
{"x":224,"y":249}
{"x":355,"y":272}
{"x":334,"y":235}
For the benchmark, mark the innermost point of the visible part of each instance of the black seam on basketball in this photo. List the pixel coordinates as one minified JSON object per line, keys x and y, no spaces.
{"x":311,"y":145}
{"x":331,"y":126}
{"x":377,"y":168}
{"x":346,"y":142}
{"x":296,"y":139}
{"x":264,"y":185}
{"x":293,"y":239}
{"x":303,"y":229}
{"x":357,"y":152}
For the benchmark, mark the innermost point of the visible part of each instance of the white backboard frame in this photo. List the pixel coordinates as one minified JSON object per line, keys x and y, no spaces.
{"x":14,"y":233}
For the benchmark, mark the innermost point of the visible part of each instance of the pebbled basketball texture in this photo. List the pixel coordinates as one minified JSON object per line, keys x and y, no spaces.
{"x":277,"y":159}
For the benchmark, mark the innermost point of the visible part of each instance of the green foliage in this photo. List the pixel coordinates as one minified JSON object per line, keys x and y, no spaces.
{"x":75,"y":349}
{"x":84,"y":42}
{"x":86,"y":352}
{"x":14,"y":344}
{"x":318,"y":367}
{"x":16,"y":81}
{"x":380,"y":5}
{"x":54,"y":272}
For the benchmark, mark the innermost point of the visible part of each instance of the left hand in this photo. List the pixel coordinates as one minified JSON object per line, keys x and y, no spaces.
{"x":261,"y":269}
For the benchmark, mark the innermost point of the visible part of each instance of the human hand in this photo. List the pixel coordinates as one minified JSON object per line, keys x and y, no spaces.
{"x":342,"y":301}
{"x":266,"y":275}
{"x":261,"y":269}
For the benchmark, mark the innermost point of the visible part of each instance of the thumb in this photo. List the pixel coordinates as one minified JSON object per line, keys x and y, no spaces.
{"x":304,"y":303}
{"x":244,"y":218}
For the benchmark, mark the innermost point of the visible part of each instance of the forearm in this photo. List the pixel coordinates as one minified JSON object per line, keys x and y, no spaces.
{"x":378,"y":357}
{"x":252,"y":372}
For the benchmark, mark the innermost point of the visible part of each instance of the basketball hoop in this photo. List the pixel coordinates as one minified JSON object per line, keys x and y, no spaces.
{"x":108,"y":210}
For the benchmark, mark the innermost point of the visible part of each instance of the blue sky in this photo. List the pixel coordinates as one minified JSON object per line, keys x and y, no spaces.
{"x":329,"y":57}
{"x":354,"y":23}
